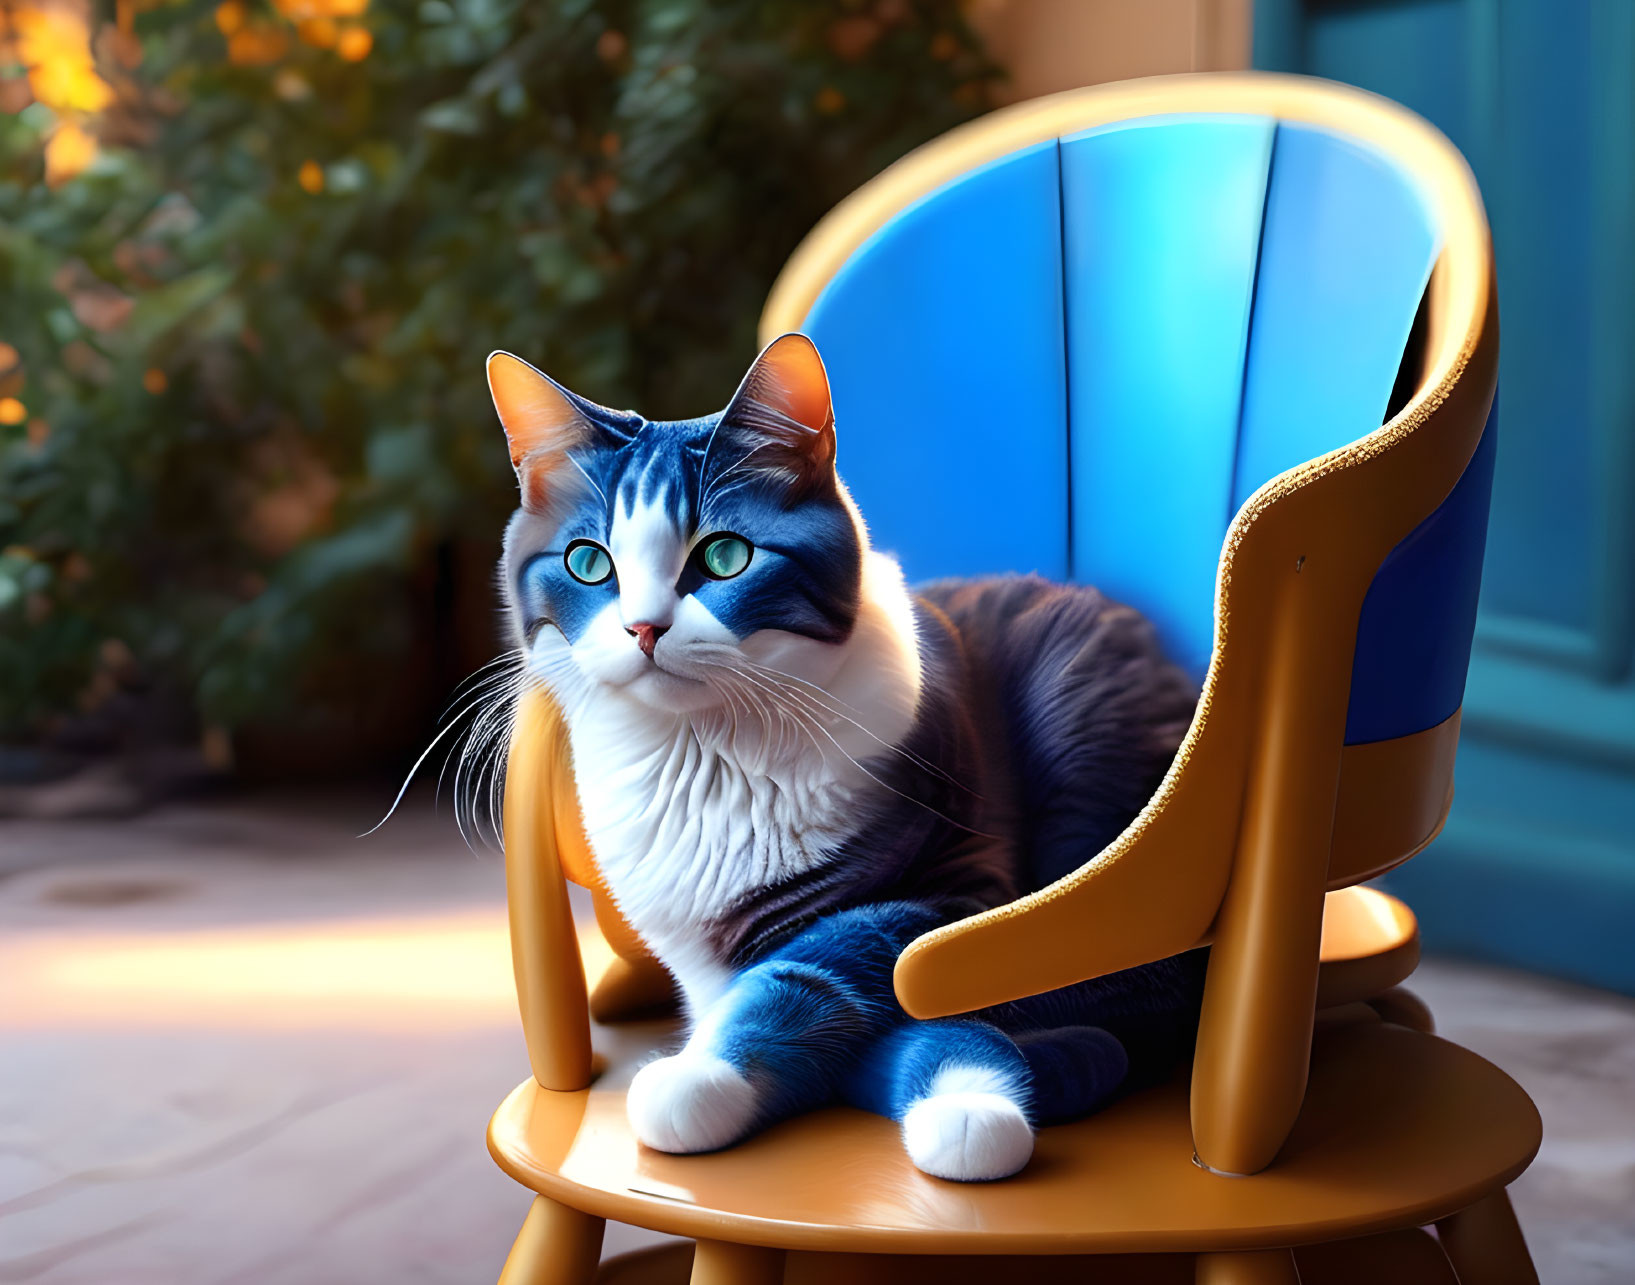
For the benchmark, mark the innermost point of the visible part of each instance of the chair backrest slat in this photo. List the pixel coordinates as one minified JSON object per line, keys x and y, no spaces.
{"x":1161,"y":228}
{"x":1347,"y":250}
{"x":943,"y":338}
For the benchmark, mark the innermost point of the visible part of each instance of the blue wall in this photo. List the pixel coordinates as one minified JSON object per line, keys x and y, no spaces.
{"x":1537,"y":865}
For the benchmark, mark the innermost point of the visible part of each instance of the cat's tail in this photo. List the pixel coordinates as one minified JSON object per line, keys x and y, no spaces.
{"x":1072,"y":1070}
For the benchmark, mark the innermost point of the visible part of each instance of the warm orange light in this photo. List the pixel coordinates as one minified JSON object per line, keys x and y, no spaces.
{"x":1358,"y":919}
{"x":256,"y":46}
{"x":230,"y":17}
{"x":447,"y":970}
{"x":450,"y":970}
{"x":154,"y":380}
{"x":320,"y":32}
{"x":55,"y":45}
{"x":12,"y":411}
{"x":298,"y":11}
{"x":354,"y":44}
{"x":69,"y":150}
{"x":311,"y":177}
{"x":8,"y":356}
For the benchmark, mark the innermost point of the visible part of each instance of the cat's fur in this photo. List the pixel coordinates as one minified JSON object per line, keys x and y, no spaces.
{"x":815,"y":765}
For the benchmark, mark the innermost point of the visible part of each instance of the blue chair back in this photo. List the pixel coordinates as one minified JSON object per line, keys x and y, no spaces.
{"x":1080,"y":359}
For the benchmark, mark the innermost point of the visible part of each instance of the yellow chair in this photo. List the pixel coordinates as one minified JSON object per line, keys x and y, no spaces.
{"x":1321,"y":754}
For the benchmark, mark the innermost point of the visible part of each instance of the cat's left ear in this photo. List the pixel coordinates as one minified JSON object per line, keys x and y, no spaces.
{"x":781,"y":420}
{"x":542,"y":420}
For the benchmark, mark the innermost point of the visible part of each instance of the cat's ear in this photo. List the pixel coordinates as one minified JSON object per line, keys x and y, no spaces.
{"x":781,"y":420}
{"x":542,"y":420}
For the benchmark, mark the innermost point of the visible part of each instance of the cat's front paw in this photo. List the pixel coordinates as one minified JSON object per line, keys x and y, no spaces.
{"x":690,"y":1102}
{"x":968,"y":1137}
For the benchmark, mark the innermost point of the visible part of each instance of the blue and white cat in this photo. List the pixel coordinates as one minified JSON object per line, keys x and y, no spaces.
{"x":790,"y":765}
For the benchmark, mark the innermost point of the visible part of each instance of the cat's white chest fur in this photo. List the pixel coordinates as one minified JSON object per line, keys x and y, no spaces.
{"x":685,"y":826}
{"x":688,"y":814}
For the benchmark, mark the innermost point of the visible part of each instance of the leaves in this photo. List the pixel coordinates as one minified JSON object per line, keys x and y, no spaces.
{"x":304,"y":255}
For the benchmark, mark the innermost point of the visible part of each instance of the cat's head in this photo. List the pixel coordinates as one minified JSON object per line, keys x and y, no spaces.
{"x":680,"y":562}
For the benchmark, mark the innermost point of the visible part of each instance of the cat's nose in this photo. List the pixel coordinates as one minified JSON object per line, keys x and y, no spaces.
{"x":647,"y":635}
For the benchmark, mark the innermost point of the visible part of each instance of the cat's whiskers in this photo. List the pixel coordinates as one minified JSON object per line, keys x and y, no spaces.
{"x":774,"y":718}
{"x":487,"y":744}
{"x":480,"y":755}
{"x":753,"y":732}
{"x":479,"y":692}
{"x":810,"y":723}
{"x":490,"y":696}
{"x":821,"y":697}
{"x":482,"y":690}
{"x":724,"y":725}
{"x":720,"y":660}
{"x":774,"y":724}
{"x":787,"y":717}
{"x":477,"y":678}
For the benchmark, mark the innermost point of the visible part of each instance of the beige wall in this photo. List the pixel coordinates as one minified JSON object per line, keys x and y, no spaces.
{"x":1048,"y":45}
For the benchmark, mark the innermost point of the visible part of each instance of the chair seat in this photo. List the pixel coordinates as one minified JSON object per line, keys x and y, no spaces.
{"x":1370,"y":944}
{"x":1398,"y":1129}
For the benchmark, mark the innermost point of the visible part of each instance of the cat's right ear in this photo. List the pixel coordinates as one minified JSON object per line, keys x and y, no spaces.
{"x":542,"y":422}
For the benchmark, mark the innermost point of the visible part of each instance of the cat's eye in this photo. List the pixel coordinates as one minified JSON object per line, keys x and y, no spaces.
{"x":725,"y":556}
{"x":588,"y":562}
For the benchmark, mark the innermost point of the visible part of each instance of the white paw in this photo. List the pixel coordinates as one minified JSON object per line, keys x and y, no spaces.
{"x":690,"y":1102}
{"x":969,"y":1137}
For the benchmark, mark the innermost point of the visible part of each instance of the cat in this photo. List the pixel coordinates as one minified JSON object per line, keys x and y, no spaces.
{"x":790,"y":765}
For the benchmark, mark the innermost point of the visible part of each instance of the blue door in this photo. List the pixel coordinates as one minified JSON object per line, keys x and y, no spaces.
{"x":1537,"y":865}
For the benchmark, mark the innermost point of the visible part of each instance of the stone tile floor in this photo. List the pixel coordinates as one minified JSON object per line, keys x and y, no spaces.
{"x":239,"y":1045}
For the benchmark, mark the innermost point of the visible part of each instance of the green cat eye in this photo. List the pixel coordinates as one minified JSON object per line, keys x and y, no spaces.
{"x":588,"y":563}
{"x":725,"y":556}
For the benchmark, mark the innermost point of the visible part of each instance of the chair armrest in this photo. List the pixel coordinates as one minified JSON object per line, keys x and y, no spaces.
{"x":1153,"y":892}
{"x":544,"y":945}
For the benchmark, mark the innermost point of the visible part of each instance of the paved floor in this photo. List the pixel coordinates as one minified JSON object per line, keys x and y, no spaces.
{"x":237,"y":1045}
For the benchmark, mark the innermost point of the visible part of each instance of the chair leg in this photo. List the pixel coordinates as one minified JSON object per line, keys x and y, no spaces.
{"x":1260,"y":995}
{"x":1405,"y":1009}
{"x":1485,"y":1245}
{"x":1259,"y":1267}
{"x":720,"y":1262}
{"x":556,"y":1246}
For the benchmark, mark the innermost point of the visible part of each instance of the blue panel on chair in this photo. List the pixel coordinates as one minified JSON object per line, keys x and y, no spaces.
{"x":943,"y":339}
{"x":1413,"y":641}
{"x":1161,"y":227}
{"x":1347,"y":250}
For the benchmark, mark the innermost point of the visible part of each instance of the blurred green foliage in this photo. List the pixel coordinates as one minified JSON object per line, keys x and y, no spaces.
{"x":251,"y":333}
